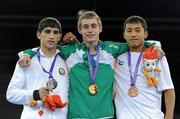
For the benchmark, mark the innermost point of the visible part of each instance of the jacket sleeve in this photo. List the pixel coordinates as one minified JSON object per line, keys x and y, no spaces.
{"x":16,"y":93}
{"x":116,"y":48}
{"x":30,"y":52}
{"x":66,"y":50}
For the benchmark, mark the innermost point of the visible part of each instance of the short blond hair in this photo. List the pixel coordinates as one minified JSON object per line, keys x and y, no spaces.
{"x":89,"y":15}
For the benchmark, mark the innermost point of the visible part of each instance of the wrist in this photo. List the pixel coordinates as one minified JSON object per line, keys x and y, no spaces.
{"x":36,"y":95}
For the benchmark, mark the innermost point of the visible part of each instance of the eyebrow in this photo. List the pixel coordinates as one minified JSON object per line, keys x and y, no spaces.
{"x":134,"y":28}
{"x":89,"y":24}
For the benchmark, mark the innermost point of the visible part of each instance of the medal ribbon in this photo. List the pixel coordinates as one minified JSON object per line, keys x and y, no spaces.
{"x":134,"y":78}
{"x":93,"y":71}
{"x":52,"y":65}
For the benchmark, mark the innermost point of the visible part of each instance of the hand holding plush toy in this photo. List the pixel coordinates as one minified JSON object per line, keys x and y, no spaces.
{"x":150,"y":58}
{"x":51,"y":102}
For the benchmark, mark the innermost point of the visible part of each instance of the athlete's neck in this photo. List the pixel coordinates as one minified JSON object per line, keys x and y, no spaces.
{"x":92,"y":46}
{"x":48,"y":52}
{"x":136,"y":49}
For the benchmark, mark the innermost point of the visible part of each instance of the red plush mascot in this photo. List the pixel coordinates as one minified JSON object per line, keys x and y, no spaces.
{"x":51,"y":102}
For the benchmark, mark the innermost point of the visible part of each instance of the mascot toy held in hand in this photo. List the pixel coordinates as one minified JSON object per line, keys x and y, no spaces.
{"x":51,"y":102}
{"x":54,"y":101}
{"x":150,"y":59}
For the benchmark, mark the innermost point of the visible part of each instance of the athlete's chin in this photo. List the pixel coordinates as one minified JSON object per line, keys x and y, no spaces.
{"x":91,"y":40}
{"x":133,"y":45}
{"x":50,"y":46}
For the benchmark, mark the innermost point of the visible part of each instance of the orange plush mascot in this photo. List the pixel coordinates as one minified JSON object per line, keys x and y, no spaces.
{"x":150,"y":58}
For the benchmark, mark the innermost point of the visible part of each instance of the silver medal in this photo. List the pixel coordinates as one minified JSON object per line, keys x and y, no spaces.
{"x":52,"y":84}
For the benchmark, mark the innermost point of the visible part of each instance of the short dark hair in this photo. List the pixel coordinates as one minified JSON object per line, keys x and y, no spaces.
{"x":136,"y":19}
{"x":49,"y":22}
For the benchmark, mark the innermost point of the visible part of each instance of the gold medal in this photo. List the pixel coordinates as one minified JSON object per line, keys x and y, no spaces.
{"x":93,"y":89}
{"x":133,"y":91}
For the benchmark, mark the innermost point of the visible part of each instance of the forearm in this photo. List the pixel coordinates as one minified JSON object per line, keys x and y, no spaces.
{"x":19,"y":96}
{"x":169,"y":103}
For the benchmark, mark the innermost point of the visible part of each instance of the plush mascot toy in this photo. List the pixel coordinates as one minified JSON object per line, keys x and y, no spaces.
{"x":51,"y":102}
{"x":54,"y":101}
{"x":150,"y":59}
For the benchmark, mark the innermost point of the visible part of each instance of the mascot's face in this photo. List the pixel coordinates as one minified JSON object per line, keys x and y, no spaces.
{"x":150,"y":64}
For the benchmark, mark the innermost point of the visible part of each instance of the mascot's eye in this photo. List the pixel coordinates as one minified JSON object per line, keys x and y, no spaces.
{"x":153,"y":63}
{"x":147,"y":64}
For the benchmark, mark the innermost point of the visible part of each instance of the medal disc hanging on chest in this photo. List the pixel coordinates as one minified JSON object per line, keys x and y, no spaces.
{"x":93,"y":89}
{"x":133,"y":91}
{"x":52,"y":84}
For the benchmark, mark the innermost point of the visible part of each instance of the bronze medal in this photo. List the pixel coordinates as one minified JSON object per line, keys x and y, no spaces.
{"x":93,"y":89}
{"x":133,"y":91}
{"x":61,"y":71}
